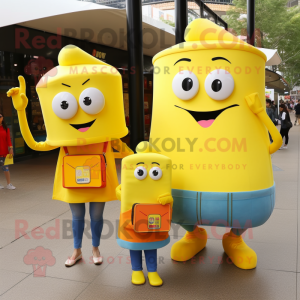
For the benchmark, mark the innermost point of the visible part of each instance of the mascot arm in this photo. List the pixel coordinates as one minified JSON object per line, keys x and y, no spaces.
{"x":123,"y":149}
{"x":256,"y":107}
{"x":118,"y":192}
{"x":20,"y":102}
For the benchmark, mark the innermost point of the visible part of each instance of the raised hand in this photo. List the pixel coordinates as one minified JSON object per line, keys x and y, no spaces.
{"x":18,"y":95}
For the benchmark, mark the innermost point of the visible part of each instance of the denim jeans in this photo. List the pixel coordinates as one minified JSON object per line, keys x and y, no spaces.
{"x":151,"y":260}
{"x":96,"y":214}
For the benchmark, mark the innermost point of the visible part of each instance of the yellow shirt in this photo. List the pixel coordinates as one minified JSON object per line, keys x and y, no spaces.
{"x":84,"y":195}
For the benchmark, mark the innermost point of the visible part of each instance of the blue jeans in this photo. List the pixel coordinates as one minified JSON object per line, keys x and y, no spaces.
{"x":96,"y":213}
{"x":151,"y":260}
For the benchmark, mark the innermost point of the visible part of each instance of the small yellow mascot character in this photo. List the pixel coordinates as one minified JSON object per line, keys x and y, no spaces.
{"x":146,"y":201}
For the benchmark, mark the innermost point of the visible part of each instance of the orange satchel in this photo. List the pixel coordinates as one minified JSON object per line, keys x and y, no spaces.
{"x":84,"y":171}
{"x":151,"y":217}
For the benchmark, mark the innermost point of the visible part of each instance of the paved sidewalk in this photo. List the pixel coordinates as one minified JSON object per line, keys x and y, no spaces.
{"x":208,"y":276}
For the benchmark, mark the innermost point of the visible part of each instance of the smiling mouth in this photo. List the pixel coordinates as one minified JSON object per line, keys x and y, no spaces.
{"x":83,"y":127}
{"x":206,"y":118}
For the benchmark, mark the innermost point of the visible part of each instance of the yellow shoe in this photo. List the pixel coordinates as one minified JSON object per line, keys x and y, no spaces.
{"x":192,"y":243}
{"x":238,"y":251}
{"x":154,"y":279}
{"x":138,"y":277}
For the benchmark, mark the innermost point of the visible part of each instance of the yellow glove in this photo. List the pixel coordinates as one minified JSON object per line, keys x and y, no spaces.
{"x":254,"y":103}
{"x":165,"y":199}
{"x":18,"y":95}
{"x":118,"y":192}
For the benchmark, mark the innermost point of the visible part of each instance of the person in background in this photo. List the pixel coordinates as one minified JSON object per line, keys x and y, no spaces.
{"x":270,"y":113}
{"x":297,"y":112}
{"x":5,"y":148}
{"x":284,"y":116}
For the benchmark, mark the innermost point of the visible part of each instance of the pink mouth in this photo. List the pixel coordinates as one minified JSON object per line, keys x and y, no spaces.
{"x":205,"y":123}
{"x":84,"y":129}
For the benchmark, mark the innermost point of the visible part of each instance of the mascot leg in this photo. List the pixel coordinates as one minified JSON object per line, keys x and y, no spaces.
{"x":238,"y":251}
{"x":193,"y":242}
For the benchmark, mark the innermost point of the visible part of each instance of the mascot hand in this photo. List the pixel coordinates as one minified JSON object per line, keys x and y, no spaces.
{"x":118,"y":192}
{"x":254,"y":103}
{"x":165,"y":199}
{"x":18,"y":95}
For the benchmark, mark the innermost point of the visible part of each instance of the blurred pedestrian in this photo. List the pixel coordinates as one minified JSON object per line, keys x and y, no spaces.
{"x":286,"y":124}
{"x":297,"y":112}
{"x":5,"y":148}
{"x":271,"y":114}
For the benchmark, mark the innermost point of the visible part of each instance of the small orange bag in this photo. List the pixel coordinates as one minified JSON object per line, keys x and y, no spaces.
{"x":151,"y":217}
{"x":84,"y":171}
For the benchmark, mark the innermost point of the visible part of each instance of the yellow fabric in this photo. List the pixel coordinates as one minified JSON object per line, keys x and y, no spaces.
{"x":87,"y":195}
{"x":138,"y":277}
{"x":202,"y":34}
{"x":239,"y":252}
{"x":9,"y":160}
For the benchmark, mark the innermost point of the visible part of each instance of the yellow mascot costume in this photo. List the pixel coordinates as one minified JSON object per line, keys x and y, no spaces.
{"x":82,"y":106}
{"x":146,"y":205}
{"x":209,"y":117}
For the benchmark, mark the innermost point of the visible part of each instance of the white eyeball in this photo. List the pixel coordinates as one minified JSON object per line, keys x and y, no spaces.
{"x":185,"y":85}
{"x":65,"y":105}
{"x":92,"y":101}
{"x":219,"y":84}
{"x":140,"y":173}
{"x":155,"y":173}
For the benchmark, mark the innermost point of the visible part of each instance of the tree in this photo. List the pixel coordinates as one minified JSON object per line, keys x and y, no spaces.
{"x":280,"y":28}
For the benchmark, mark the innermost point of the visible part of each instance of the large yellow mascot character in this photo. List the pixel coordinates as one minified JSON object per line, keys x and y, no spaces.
{"x":209,"y":118}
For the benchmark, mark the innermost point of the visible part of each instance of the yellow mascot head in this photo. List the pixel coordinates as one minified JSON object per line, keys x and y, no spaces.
{"x":83,"y":103}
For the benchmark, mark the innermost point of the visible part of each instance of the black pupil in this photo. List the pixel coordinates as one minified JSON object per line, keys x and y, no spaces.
{"x":87,"y":101}
{"x":216,"y":85}
{"x":64,"y":105}
{"x":155,"y":173}
{"x":140,"y":172}
{"x":187,"y":84}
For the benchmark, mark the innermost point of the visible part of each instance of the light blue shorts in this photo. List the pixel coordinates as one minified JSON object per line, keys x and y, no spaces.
{"x":239,"y":210}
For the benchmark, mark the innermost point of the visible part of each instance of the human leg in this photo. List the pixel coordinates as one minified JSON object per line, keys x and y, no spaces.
{"x":137,"y":267}
{"x":151,"y":262}
{"x":78,"y":213}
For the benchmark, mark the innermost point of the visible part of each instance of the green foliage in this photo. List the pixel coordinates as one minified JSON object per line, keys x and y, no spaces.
{"x":280,"y":29}
{"x":169,"y":22}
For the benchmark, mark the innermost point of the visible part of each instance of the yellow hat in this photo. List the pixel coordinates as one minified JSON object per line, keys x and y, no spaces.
{"x":202,"y":34}
{"x":71,"y":55}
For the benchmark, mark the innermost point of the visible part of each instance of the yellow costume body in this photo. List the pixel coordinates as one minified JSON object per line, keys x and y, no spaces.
{"x":146,"y":179}
{"x":82,"y":106}
{"x":209,"y":117}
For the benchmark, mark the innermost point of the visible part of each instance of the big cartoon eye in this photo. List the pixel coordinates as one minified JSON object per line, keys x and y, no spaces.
{"x":155,"y":173}
{"x":140,"y":173}
{"x":185,"y":85}
{"x":219,"y":84}
{"x":64,"y":105}
{"x":92,"y":101}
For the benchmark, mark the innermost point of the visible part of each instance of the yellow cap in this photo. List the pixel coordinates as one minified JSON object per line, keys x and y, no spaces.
{"x":202,"y":34}
{"x":71,"y":55}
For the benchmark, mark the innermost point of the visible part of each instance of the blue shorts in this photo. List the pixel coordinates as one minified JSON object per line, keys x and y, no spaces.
{"x":236,"y":210}
{"x":5,"y":168}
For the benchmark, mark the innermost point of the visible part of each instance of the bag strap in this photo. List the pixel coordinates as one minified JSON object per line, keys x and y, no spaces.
{"x":105,"y":147}
{"x":66,"y":150}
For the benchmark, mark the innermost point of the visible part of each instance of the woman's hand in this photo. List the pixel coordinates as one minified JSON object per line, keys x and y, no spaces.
{"x":11,"y":152}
